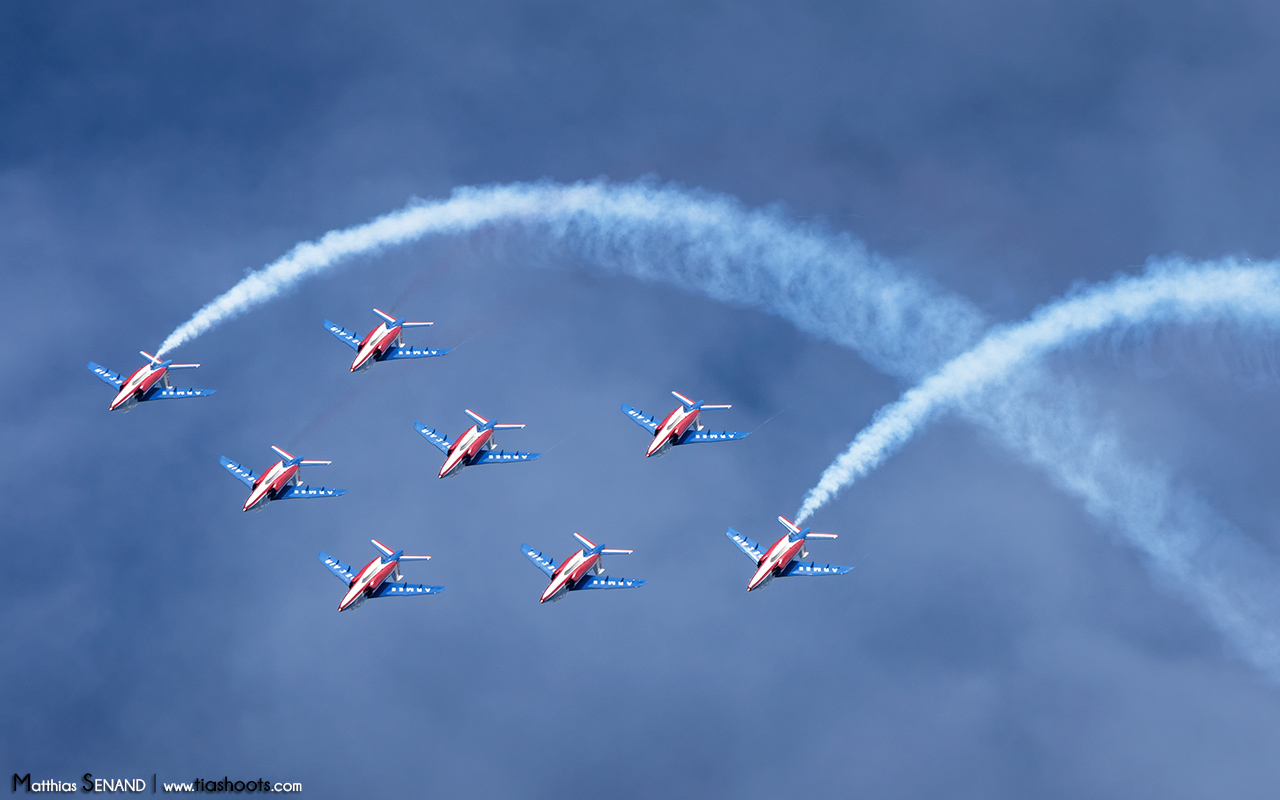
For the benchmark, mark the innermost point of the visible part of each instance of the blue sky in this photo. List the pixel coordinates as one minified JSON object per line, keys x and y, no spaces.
{"x":994,"y":640}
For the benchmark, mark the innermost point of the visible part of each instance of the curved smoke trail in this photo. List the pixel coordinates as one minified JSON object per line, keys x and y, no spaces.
{"x":1169,"y":293}
{"x":830,"y":286}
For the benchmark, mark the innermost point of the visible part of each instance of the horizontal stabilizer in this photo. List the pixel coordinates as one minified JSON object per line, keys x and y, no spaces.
{"x":606,"y":582}
{"x":479,"y":419}
{"x":640,"y":418}
{"x":243,"y":474}
{"x":539,"y":560}
{"x":503,"y":457}
{"x":416,"y":325}
{"x":411,"y":352}
{"x":615,"y":551}
{"x":432,"y":435}
{"x":802,"y":568}
{"x":387,"y":317}
{"x":695,"y":437}
{"x":686,"y":402}
{"x":507,"y":426}
{"x":292,"y":492}
{"x":393,"y":589}
{"x":584,"y":541}
{"x":716,"y":407}
{"x":345,"y":336}
{"x":178,"y":394}
{"x":382,"y":548}
{"x":744,"y":544}
{"x":106,"y":375}
{"x":343,"y":571}
{"x":812,"y":535}
{"x":306,"y":463}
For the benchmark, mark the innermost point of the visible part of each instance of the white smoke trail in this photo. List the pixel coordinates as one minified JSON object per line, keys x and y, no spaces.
{"x":1234,"y":582}
{"x":830,"y":286}
{"x":1243,"y":293}
{"x":827,"y":285}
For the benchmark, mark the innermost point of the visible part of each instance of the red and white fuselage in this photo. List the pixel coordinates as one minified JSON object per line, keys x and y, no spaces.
{"x":138,"y":384}
{"x":673,"y":427}
{"x":367,"y":581}
{"x":376,"y":343}
{"x":470,"y":444}
{"x":567,"y":575}
{"x":776,"y":559}
{"x":280,"y":475}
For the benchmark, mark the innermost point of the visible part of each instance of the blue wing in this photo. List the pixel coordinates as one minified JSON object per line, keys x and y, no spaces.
{"x":796,"y":568}
{"x":345,"y":336}
{"x":640,"y":418}
{"x":605,"y":582}
{"x":106,"y":375}
{"x":539,"y":560}
{"x":693,"y":437}
{"x":292,"y":492}
{"x":173,"y":394}
{"x":393,"y":589}
{"x":502,"y":457}
{"x":411,"y":352}
{"x":244,"y":474}
{"x":435,"y":437}
{"x":744,"y":544}
{"x":343,"y":571}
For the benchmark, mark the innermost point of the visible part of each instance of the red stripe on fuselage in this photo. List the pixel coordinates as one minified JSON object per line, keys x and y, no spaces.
{"x":673,"y":427}
{"x":777,"y":557}
{"x":465,"y":448}
{"x":367,"y":581}
{"x":270,"y":483}
{"x":567,"y":575}
{"x":375,"y":343}
{"x":139,"y":383}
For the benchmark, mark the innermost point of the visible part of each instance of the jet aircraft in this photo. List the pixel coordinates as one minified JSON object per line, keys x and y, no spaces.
{"x":582,"y":570}
{"x":681,"y":426}
{"x":281,"y":482}
{"x":383,"y":343}
{"x":148,"y":382}
{"x":779,"y":560}
{"x":380,"y":577}
{"x":474,"y":446}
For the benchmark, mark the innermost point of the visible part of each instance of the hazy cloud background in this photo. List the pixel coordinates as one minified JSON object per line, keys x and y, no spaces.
{"x":994,"y":640}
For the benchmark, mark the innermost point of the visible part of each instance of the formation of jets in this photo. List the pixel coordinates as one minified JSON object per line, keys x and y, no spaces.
{"x":381,"y":577}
